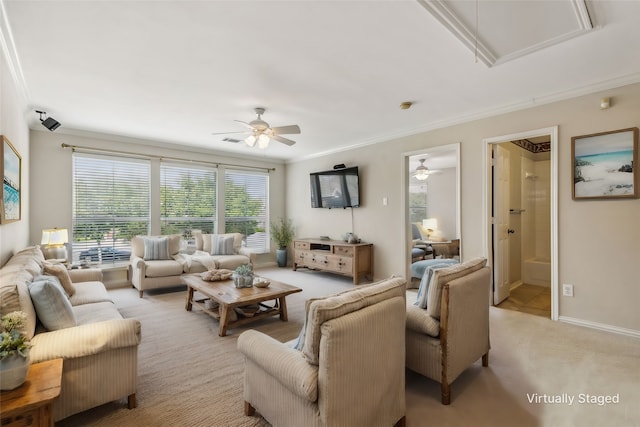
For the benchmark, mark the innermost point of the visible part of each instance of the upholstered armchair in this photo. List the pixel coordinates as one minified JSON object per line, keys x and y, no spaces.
{"x":452,"y":332}
{"x":345,"y":370}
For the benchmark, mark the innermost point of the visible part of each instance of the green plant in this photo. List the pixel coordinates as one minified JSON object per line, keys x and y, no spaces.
{"x":13,"y":342}
{"x":282,"y":232}
{"x":244,"y":270}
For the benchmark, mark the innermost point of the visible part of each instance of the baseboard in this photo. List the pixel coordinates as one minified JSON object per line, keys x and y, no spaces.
{"x":600,"y":326}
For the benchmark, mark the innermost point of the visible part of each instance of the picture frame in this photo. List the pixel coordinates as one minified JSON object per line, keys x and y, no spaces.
{"x":11,"y":171}
{"x":605,"y":165}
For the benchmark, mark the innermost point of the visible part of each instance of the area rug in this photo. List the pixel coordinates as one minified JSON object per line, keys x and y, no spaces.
{"x":189,"y":376}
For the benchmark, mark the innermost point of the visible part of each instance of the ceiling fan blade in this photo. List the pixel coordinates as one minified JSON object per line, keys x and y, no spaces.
{"x":282,"y":130}
{"x":245,"y":123}
{"x":283,"y":140}
{"x":227,"y":133}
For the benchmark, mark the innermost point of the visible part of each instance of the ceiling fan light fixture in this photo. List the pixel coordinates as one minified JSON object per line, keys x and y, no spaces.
{"x":422,"y":172}
{"x":263,"y":141}
{"x":250,"y":140}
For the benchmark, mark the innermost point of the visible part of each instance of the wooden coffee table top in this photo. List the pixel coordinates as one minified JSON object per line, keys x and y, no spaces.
{"x":225,"y":292}
{"x":229,"y":297}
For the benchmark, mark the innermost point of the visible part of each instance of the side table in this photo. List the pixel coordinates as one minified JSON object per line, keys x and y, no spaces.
{"x":31,"y":404}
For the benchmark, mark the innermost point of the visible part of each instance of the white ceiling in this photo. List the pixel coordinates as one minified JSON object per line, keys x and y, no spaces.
{"x":176,"y":71}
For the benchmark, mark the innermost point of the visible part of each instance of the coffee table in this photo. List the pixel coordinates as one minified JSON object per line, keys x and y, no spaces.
{"x":229,"y":297}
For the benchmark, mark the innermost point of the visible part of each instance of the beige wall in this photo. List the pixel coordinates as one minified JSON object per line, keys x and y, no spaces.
{"x":441,"y":201}
{"x":599,"y":241}
{"x":51,"y":191}
{"x":13,"y":125}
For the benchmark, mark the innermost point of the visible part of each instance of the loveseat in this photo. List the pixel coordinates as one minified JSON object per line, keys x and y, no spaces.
{"x":98,"y":346}
{"x":157,"y":262}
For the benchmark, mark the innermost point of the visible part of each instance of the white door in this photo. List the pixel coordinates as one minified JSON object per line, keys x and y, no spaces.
{"x":500,"y":224}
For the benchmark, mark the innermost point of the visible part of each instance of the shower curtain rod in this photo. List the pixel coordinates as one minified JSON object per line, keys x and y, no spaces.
{"x":80,"y":148}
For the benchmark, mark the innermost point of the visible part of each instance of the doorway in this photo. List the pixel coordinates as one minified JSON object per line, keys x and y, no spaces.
{"x":432,"y":204}
{"x":521,"y":220}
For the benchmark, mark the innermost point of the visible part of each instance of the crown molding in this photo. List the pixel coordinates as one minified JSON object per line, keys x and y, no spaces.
{"x":11,"y":55}
{"x":612,"y":83}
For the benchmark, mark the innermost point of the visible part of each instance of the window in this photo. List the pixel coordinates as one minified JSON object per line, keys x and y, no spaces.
{"x":246,"y":199}
{"x":187,"y":199}
{"x":110,"y":206}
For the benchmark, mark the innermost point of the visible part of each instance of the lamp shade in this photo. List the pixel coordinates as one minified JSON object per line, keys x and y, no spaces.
{"x":55,"y":236}
{"x":430,"y":224}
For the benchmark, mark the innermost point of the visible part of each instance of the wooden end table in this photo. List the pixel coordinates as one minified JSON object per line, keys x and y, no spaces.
{"x":31,"y":404}
{"x":229,"y":297}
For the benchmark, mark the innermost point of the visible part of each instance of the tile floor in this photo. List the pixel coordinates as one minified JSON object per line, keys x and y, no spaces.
{"x":530,"y":299}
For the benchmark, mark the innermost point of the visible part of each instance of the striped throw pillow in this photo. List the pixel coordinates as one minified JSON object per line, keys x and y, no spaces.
{"x":221,"y":245}
{"x":156,"y":248}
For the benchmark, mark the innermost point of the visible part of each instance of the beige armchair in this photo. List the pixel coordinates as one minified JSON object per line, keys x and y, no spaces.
{"x":453,"y":331}
{"x":346,"y":369}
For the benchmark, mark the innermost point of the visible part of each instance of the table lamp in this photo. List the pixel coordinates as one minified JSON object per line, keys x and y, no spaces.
{"x":430,"y":224}
{"x":53,"y":243}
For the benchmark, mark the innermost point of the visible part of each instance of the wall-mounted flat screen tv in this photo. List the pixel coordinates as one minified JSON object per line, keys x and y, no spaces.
{"x":337,"y":188}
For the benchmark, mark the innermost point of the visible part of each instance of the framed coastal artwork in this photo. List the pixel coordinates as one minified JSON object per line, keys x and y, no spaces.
{"x":605,"y":165}
{"x":11,"y":168}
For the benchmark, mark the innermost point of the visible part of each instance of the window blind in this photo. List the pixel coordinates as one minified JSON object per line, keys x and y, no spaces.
{"x":111,"y":204}
{"x":187,"y":199}
{"x":246,"y":207}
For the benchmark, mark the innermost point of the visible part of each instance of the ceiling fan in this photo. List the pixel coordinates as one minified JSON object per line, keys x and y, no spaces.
{"x":259,"y":131}
{"x":422,"y":172}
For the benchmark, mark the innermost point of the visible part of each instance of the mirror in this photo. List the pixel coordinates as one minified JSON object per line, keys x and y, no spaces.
{"x":432,"y":204}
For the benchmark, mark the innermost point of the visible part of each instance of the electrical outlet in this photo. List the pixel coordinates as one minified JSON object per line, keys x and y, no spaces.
{"x":567,"y":290}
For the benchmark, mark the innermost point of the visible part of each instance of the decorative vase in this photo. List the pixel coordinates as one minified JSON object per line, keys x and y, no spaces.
{"x":13,"y":371}
{"x":281,"y":257}
{"x":245,"y":281}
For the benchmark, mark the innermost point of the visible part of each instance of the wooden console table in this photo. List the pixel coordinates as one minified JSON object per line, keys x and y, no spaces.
{"x":335,"y":256}
{"x":31,"y":404}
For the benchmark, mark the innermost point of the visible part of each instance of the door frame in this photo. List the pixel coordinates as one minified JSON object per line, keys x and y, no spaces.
{"x":404,"y":196}
{"x":488,"y":200}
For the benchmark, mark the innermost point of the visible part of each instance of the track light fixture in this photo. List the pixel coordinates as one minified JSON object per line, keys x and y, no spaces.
{"x":50,"y":123}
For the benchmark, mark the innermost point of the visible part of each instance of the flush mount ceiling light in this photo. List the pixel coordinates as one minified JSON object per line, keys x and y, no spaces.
{"x":422,"y":172}
{"x":50,"y":123}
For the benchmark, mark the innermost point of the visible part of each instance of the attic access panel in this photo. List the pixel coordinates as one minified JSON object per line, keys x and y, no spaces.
{"x":510,"y":29}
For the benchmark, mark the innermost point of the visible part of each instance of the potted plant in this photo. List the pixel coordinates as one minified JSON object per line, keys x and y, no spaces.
{"x":14,"y":351}
{"x":243,"y":276}
{"x":282,"y":234}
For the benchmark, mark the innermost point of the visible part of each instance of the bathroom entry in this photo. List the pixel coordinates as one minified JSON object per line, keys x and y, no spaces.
{"x":521,"y":230}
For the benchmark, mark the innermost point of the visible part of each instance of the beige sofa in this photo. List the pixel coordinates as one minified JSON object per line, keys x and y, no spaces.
{"x":346,"y":370}
{"x":162,"y":273}
{"x":453,"y":331}
{"x":100,"y":353}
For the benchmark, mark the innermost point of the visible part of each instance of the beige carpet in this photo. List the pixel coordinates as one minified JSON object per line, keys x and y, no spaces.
{"x":188,"y":376}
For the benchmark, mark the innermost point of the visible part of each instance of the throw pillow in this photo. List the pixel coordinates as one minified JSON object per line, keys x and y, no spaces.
{"x":444,"y":276}
{"x":221,"y":245}
{"x":9,"y":299}
{"x":156,"y":248}
{"x":60,"y":271}
{"x":52,"y":305}
{"x":423,"y":291}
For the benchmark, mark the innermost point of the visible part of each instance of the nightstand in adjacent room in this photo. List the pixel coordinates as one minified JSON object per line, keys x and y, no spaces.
{"x":31,"y":404}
